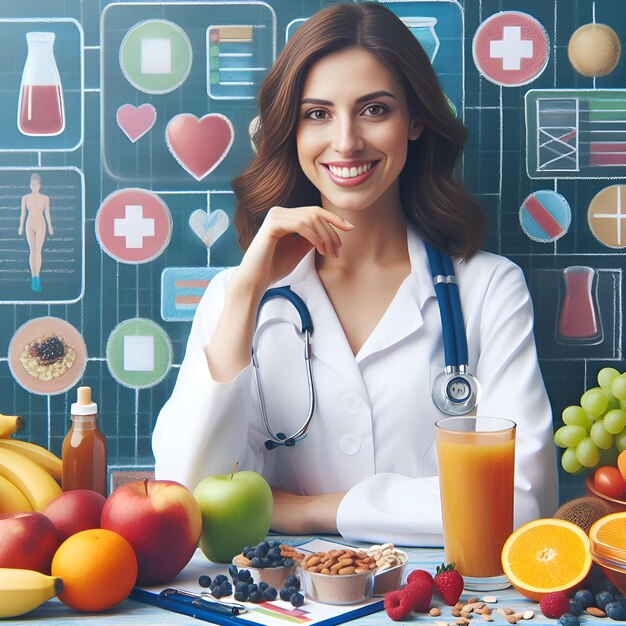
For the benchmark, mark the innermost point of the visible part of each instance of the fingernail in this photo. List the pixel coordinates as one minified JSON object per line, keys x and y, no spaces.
{"x":347,"y":223}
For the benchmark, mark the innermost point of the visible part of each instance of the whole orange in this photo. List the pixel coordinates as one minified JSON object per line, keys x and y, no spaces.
{"x":98,"y":568}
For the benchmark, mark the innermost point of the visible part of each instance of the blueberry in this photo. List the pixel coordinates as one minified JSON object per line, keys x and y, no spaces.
{"x":604,"y":598}
{"x":263,"y":585}
{"x":249,"y":553}
{"x":233,"y":570}
{"x":244,"y":575}
{"x":616,"y":610}
{"x":288,"y":562}
{"x":273,"y":554}
{"x":257,"y":562}
{"x":241,"y":596}
{"x":567,"y":619}
{"x":270,"y":593}
{"x":285,"y":593}
{"x":621,"y":599}
{"x":297,"y":599}
{"x":219,"y":579}
{"x":241,"y":586}
{"x":252,"y":588}
{"x":204,"y":581}
{"x":292,"y":581}
{"x":294,"y":589}
{"x":585,"y":597}
{"x":575,"y":607}
{"x":257,"y":597}
{"x":261,"y":549}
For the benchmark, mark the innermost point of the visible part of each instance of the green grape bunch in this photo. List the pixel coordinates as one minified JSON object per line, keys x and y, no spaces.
{"x":594,"y":432}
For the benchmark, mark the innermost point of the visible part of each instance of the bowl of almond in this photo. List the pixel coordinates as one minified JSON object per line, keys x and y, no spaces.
{"x":338,"y":576}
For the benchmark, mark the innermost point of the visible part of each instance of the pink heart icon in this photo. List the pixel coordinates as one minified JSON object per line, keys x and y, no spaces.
{"x":199,"y":145}
{"x":136,"y":121}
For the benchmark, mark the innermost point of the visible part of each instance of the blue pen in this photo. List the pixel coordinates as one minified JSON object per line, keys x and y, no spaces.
{"x":191,"y":599}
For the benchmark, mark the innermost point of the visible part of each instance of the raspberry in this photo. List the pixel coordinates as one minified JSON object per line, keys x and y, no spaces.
{"x":421,"y":593}
{"x":554,"y":604}
{"x":419,"y":574}
{"x":398,"y":605}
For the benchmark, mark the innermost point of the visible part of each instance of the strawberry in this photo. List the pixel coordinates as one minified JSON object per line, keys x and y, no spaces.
{"x":554,"y":604}
{"x":448,"y":583}
{"x":421,"y":574}
{"x":398,"y":604}
{"x":420,"y":592}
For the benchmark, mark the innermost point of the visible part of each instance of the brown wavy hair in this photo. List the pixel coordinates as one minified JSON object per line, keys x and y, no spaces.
{"x":435,"y":203}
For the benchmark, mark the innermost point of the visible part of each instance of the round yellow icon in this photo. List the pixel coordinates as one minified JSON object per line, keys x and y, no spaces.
{"x":594,"y":50}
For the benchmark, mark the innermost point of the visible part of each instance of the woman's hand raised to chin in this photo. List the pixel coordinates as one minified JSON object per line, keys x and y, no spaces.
{"x":283,"y":240}
{"x":303,"y":515}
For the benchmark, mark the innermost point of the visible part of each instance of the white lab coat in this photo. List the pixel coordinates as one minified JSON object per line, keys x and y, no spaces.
{"x":372,"y":435}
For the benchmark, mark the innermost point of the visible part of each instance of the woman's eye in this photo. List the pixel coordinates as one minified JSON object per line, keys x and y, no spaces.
{"x":375,"y":110}
{"x":317,"y":114}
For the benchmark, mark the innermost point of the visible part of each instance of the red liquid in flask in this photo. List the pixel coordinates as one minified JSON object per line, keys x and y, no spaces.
{"x":41,"y":112}
{"x":579,"y":318}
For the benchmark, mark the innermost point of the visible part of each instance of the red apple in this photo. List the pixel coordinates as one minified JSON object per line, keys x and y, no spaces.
{"x":161,"y":520}
{"x":75,"y":510}
{"x":27,"y":541}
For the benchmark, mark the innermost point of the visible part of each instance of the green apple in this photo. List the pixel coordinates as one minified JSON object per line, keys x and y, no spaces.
{"x":236,"y":512}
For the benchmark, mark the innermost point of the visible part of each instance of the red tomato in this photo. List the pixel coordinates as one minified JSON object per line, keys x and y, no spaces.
{"x":609,"y":481}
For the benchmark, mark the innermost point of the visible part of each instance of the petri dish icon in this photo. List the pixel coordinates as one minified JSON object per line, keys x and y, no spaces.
{"x":156,"y":56}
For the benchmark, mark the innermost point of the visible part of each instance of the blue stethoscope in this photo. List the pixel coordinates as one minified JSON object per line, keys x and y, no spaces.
{"x":455,"y":391}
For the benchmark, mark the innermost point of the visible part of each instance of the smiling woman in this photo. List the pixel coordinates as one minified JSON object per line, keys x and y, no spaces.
{"x":352,"y":180}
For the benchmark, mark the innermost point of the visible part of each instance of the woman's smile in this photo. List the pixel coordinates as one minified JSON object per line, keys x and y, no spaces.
{"x":350,"y":174}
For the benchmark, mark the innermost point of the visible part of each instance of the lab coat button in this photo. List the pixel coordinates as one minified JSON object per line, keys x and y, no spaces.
{"x":349,"y":445}
{"x":352,"y":403}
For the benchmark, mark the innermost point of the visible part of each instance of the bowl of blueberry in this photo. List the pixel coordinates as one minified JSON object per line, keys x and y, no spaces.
{"x":269,"y":562}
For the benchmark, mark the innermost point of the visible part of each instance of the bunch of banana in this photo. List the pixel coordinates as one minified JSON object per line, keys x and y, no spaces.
{"x":10,"y":424}
{"x":29,"y":474}
{"x":22,"y":590}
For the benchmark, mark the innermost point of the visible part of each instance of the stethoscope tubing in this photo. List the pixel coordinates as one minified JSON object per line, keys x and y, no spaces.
{"x":456,"y":353}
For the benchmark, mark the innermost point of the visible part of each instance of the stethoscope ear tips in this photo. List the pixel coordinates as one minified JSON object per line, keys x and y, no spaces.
{"x":289,"y":443}
{"x":270,"y":445}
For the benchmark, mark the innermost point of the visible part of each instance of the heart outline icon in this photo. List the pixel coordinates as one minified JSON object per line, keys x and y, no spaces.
{"x":209,"y":226}
{"x":199,"y":144}
{"x":134,"y":121}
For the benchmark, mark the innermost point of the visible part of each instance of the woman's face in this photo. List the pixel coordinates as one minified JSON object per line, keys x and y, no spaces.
{"x":353,"y":131}
{"x":35,"y":185}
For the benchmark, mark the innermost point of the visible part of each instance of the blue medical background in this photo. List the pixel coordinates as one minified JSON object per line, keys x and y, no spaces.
{"x":159,"y":100}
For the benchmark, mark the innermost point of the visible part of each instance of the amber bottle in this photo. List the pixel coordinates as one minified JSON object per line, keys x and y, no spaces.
{"x":84,"y":454}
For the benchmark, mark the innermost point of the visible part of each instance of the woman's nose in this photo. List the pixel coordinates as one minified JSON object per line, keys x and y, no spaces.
{"x":347,"y":137}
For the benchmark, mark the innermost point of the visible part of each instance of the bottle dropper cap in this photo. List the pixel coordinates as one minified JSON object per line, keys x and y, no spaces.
{"x":84,"y":405}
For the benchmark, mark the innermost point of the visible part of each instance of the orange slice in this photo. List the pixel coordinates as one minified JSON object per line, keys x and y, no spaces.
{"x":546,"y":555}
{"x":610,"y":531}
{"x":608,"y":547}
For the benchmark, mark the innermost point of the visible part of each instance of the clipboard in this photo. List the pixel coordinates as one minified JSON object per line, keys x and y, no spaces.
{"x":270,"y":613}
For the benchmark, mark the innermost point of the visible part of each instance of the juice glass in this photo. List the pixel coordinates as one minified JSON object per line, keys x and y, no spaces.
{"x":476,"y":457}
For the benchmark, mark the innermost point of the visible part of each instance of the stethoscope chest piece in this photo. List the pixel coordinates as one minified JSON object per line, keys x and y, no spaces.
{"x":456,"y":392}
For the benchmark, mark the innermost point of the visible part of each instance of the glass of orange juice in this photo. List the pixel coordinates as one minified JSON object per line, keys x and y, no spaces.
{"x":476,"y":457}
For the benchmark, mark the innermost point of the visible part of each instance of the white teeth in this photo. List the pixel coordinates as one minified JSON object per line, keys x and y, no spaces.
{"x":349,"y":172}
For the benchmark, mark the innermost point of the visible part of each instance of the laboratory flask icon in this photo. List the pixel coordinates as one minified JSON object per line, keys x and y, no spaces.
{"x":423,"y":29}
{"x":579,"y":319}
{"x":40,"y":108}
